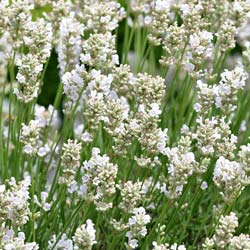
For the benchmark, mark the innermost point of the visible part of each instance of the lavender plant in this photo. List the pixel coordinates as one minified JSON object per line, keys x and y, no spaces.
{"x":145,"y":144}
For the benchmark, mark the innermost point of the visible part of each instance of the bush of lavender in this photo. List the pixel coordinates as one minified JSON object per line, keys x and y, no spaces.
{"x":145,"y":144}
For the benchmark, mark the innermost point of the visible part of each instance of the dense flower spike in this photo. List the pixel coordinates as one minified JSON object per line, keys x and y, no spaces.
{"x":230,"y":177}
{"x":226,"y":91}
{"x":73,"y":85}
{"x":85,"y":236}
{"x":70,"y":161}
{"x":29,"y":71}
{"x":38,"y":37}
{"x":5,"y":50}
{"x":99,"y":51}
{"x":69,"y":45}
{"x":223,"y":236}
{"x":131,"y":194}
{"x":102,"y":16}
{"x":30,"y":137}
{"x":137,"y":225}
{"x":98,"y":181}
{"x":10,"y":241}
{"x":149,"y":89}
{"x":159,"y":21}
{"x":15,"y":201}
{"x":182,"y":165}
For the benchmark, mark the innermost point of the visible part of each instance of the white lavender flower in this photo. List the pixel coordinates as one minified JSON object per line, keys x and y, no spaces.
{"x":102,"y":16}
{"x":70,"y":161}
{"x":42,"y":203}
{"x":10,"y":241}
{"x":69,"y":45}
{"x":29,"y":70}
{"x":99,"y":51}
{"x":131,"y":194}
{"x":30,"y":137}
{"x":223,"y":233}
{"x":63,"y":244}
{"x":226,"y":91}
{"x":14,"y":201}
{"x":182,"y":164}
{"x":229,"y":177}
{"x":98,"y":181}
{"x":137,"y":227}
{"x":85,"y":236}
{"x":38,"y":37}
{"x":47,"y":117}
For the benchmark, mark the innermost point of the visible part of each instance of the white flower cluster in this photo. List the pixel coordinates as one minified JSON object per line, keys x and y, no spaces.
{"x":73,"y":85}
{"x":59,"y":10}
{"x":102,"y":16}
{"x":140,"y":11}
{"x":149,"y":89}
{"x":140,"y":6}
{"x":9,"y":241}
{"x":29,"y":69}
{"x":47,"y":117}
{"x":63,"y":244}
{"x":199,"y":37}
{"x":85,"y":236}
{"x":159,"y":20}
{"x":33,"y":133}
{"x":14,"y":201}
{"x":200,"y":49}
{"x":152,"y":139}
{"x":155,"y":15}
{"x":37,"y":36}
{"x":143,"y":124}
{"x":226,"y":91}
{"x":99,"y":51}
{"x":131,"y":194}
{"x":70,"y":161}
{"x":137,"y":227}
{"x":226,"y":35}
{"x":236,"y":15}
{"x":116,"y":112}
{"x":121,"y":148}
{"x":98,"y":98}
{"x":31,"y":138}
{"x":244,"y":157}
{"x":224,"y":94}
{"x":15,"y":18}
{"x":230,"y":178}
{"x":3,"y":11}
{"x":240,"y":242}
{"x":214,"y":136}
{"x":5,"y":52}
{"x":123,"y":80}
{"x":182,"y":164}
{"x":98,"y":181}
{"x":69,"y":45}
{"x":223,"y":237}
{"x":173,"y":43}
{"x":205,"y":97}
